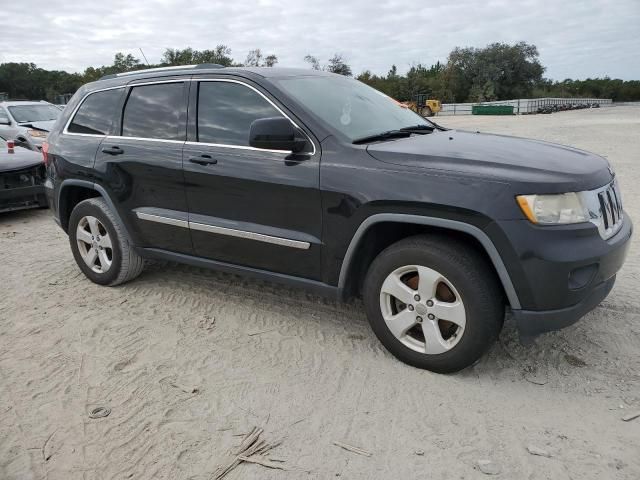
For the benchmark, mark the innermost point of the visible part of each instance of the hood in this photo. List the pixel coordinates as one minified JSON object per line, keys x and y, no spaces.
{"x":45,"y":125}
{"x":22,"y":158}
{"x":543,"y":167}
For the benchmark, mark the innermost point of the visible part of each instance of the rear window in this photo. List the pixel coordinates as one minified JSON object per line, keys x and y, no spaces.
{"x":97,"y":113}
{"x":155,"y":111}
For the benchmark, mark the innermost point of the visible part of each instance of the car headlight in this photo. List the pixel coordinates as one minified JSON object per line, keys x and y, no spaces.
{"x":558,"y":209}
{"x":37,"y":133}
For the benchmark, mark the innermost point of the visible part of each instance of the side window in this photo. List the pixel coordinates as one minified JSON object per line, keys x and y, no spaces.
{"x":226,"y":110}
{"x":155,"y":111}
{"x":97,"y":113}
{"x":4,"y":116}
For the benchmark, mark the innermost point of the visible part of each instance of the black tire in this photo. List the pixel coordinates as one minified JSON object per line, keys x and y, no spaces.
{"x":427,"y":112}
{"x":126,"y":263}
{"x":471,"y":275}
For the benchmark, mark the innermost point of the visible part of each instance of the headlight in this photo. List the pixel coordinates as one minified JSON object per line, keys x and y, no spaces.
{"x":37,"y":133}
{"x":553,"y":209}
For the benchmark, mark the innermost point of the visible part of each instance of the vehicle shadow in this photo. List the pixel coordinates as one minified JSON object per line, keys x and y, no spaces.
{"x":339,"y":318}
{"x":23,"y":215}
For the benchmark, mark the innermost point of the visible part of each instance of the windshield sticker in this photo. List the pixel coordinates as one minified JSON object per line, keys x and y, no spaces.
{"x":345,"y":118}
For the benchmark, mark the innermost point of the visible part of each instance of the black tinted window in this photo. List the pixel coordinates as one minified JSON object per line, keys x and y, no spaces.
{"x":97,"y":113}
{"x":226,"y":110}
{"x":155,"y":111}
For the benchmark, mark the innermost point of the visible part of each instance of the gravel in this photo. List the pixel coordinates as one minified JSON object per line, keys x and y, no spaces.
{"x":68,"y":346}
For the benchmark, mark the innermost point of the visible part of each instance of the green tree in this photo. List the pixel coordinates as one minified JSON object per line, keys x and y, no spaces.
{"x":270,"y":60}
{"x":255,"y":58}
{"x":125,"y":63}
{"x":336,"y":64}
{"x":176,"y":56}
{"x":313,"y":61}
{"x":499,"y":70}
{"x":220,"y":55}
{"x":28,"y":82}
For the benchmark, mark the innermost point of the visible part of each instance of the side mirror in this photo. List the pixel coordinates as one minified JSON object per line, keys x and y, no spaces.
{"x":276,"y":133}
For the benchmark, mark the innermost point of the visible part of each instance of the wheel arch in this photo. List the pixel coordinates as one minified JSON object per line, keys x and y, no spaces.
{"x":73,"y":191}
{"x":349,"y":274}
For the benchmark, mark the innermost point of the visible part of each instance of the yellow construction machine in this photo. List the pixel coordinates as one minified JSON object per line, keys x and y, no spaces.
{"x":423,"y":105}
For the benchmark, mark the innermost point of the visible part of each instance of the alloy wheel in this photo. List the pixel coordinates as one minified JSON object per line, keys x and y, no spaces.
{"x":94,"y":244}
{"x":422,"y":309}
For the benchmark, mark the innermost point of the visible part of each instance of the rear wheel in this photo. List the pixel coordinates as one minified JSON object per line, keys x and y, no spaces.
{"x":426,"y":112}
{"x":434,"y":303}
{"x":100,"y":244}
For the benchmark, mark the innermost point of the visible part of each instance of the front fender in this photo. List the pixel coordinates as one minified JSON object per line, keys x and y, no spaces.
{"x":443,"y":223}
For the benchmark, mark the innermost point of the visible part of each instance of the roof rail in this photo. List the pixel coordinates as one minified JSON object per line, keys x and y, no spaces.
{"x":161,"y":69}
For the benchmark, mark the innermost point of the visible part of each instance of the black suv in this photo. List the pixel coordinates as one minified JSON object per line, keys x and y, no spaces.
{"x":318,"y":180}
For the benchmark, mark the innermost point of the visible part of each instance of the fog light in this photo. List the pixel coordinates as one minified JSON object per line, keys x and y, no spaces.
{"x":580,"y":277}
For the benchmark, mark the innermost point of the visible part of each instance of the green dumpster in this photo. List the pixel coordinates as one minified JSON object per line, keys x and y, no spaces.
{"x":492,"y":109}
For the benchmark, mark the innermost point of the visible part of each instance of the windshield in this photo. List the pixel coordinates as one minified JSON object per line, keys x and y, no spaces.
{"x":34,"y":113}
{"x":350,"y":106}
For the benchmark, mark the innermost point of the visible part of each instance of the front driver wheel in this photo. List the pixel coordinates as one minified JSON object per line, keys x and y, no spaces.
{"x":434,"y":303}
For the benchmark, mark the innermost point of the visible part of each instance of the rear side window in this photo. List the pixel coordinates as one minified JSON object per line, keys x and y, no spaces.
{"x":226,"y":110}
{"x":155,"y":111}
{"x":97,"y":113}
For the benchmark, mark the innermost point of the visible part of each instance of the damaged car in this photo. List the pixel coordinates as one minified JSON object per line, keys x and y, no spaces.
{"x":27,"y":122}
{"x":22,"y":175}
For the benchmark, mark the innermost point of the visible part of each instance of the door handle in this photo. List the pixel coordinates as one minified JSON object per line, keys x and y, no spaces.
{"x":113,"y":150}
{"x":203,"y":160}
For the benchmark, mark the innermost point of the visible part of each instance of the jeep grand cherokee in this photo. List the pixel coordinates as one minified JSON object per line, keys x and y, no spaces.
{"x":318,"y":180}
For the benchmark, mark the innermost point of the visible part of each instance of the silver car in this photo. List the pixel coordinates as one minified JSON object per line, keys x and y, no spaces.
{"x":27,"y":122}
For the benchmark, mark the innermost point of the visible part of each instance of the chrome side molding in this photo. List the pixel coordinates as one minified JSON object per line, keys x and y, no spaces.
{"x":260,"y":237}
{"x":230,"y":232}
{"x":159,"y":219}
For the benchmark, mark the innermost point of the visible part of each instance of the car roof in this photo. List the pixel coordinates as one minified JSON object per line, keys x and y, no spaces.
{"x":13,"y":103}
{"x":157,"y":74}
{"x":203,"y":69}
{"x":275,"y":72}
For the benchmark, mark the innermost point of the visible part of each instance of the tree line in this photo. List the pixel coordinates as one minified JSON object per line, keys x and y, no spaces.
{"x":498,"y":71}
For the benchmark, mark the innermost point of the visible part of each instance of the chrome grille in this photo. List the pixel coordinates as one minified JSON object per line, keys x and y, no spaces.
{"x":606,"y":211}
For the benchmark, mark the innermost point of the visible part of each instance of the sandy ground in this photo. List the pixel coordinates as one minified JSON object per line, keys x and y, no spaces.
{"x":305,"y":369}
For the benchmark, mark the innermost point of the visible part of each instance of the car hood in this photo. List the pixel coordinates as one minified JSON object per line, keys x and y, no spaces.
{"x":45,"y":125}
{"x":535,"y":165}
{"x":22,"y":158}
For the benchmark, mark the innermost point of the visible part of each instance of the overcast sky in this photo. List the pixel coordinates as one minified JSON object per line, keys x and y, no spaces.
{"x":576,"y":38}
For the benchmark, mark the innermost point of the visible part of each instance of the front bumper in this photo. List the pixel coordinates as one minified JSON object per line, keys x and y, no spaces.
{"x":531,"y":323}
{"x":562,"y":273}
{"x":21,"y":198}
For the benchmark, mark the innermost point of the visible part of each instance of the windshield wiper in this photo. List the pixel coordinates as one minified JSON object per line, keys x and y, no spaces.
{"x":383,"y":136}
{"x":432,"y":127}
{"x":420,"y":127}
